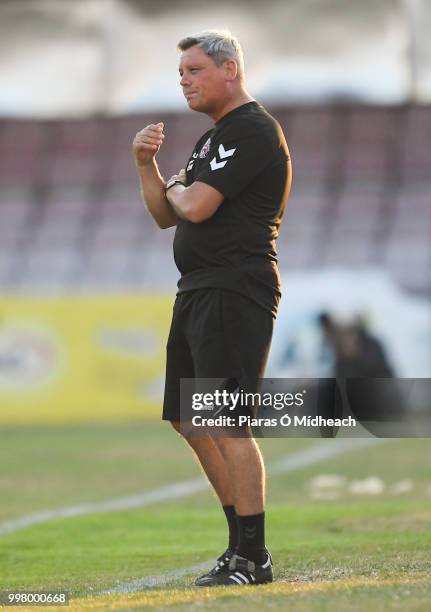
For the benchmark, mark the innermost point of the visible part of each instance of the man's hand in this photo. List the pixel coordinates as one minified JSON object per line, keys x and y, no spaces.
{"x":181,"y":177}
{"x":147,"y":142}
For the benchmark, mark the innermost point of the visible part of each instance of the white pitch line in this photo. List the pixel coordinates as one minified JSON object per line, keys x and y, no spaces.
{"x":295,"y":461}
{"x":134,"y":586}
{"x":168,"y":492}
{"x":320,"y":452}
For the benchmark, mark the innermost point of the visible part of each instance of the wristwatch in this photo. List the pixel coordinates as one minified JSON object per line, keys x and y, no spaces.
{"x":172,"y":183}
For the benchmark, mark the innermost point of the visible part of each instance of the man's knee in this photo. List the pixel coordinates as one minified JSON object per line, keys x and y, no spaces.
{"x":176,"y":425}
{"x":240,"y":437}
{"x":182,"y":430}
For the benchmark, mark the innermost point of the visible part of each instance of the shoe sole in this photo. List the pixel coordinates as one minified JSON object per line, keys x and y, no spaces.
{"x":216,"y":584}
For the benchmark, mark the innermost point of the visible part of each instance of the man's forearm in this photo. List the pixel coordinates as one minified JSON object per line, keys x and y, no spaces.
{"x":177,"y":201}
{"x":195,"y":203}
{"x":153,"y":193}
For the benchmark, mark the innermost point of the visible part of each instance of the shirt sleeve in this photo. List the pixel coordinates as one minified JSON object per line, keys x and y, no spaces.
{"x":236,"y":160}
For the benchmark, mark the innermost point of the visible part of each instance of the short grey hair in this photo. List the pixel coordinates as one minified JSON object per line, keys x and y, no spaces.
{"x":220,"y":45}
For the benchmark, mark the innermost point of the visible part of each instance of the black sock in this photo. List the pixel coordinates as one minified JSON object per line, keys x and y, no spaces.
{"x":233,"y":526}
{"x":251,"y":543}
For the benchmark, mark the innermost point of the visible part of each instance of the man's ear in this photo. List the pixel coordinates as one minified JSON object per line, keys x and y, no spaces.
{"x":231,"y":69}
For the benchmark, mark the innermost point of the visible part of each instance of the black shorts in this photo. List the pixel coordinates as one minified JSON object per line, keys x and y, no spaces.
{"x":215,"y":333}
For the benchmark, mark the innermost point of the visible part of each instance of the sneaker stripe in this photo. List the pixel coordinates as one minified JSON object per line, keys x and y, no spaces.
{"x":235,"y":579}
{"x":268,"y":562}
{"x":247,"y":581}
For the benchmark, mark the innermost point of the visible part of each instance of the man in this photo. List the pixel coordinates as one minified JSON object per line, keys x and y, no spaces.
{"x":227,"y":206}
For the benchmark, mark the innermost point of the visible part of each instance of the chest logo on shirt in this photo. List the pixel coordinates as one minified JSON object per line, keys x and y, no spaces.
{"x":205,"y":149}
{"x":216,"y":165}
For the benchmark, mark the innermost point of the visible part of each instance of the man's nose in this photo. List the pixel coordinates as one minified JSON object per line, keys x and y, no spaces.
{"x":184,"y":80}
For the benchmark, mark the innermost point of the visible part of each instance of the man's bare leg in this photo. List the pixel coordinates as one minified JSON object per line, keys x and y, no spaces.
{"x":213,"y":464}
{"x":234,"y":466}
{"x":246,"y":473}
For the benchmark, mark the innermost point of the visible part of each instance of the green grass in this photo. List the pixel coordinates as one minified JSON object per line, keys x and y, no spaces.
{"x":308,"y":543}
{"x":44,"y":468}
{"x":350,"y":553}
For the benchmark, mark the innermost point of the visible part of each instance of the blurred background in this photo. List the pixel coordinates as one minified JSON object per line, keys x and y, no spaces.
{"x":87,"y":280}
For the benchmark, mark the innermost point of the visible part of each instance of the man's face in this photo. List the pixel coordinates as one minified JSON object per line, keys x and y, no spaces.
{"x":204,"y":83}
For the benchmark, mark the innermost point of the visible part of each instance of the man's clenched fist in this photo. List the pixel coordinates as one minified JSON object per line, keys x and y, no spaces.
{"x":147,"y":142}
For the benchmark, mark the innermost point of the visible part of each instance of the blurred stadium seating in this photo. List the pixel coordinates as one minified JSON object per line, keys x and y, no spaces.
{"x":72,"y":219}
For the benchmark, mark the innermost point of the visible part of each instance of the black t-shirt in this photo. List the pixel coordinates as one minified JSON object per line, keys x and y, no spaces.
{"x":245,"y":157}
